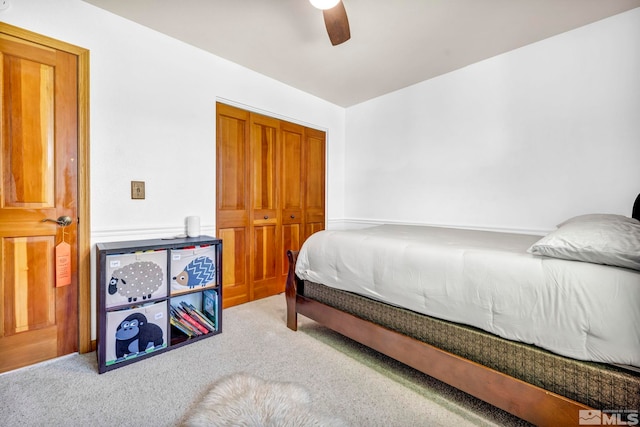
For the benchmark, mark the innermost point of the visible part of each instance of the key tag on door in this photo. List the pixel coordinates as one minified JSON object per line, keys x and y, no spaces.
{"x":63,"y":262}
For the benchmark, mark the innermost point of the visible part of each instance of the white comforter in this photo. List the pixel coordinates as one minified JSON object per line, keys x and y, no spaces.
{"x":487,"y":280}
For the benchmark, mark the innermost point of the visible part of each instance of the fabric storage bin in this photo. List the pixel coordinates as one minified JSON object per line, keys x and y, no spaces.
{"x":136,"y":331}
{"x":135,"y":277}
{"x":193,"y":268}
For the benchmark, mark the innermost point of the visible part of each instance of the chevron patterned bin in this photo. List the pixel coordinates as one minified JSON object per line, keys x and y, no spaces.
{"x":193,"y":269}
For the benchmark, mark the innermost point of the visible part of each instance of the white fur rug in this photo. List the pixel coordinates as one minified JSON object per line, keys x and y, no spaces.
{"x":246,"y":401}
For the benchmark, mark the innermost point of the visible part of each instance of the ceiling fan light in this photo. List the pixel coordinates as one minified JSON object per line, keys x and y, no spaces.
{"x":324,"y":4}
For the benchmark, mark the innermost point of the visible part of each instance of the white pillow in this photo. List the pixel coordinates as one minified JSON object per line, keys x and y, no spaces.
{"x":597,"y":238}
{"x":600,"y":218}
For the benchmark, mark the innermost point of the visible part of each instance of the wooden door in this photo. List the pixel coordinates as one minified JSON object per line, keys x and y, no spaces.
{"x":265,"y":212}
{"x":39,"y":138}
{"x":314,"y":165}
{"x":232,"y":200}
{"x":291,"y":194}
{"x":270,"y":198}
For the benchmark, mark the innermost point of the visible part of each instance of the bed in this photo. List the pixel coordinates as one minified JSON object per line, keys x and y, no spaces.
{"x":542,"y":327}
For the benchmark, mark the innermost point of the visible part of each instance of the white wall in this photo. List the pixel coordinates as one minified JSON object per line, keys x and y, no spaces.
{"x":519,"y":141}
{"x":152,"y":119}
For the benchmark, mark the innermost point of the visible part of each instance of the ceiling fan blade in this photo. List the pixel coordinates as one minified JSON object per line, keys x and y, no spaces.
{"x":337,"y":23}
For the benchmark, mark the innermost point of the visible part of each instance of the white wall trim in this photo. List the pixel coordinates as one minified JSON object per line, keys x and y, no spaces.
{"x":353,"y":223}
{"x":269,"y":113}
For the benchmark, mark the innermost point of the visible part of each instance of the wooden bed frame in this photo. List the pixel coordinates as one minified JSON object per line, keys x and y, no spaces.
{"x":517,"y":397}
{"x":520,"y":398}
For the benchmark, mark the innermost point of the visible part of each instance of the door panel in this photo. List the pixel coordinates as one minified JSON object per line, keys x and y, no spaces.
{"x":232,"y":156}
{"x":29,"y":302}
{"x":264,"y":151}
{"x":292,"y":174}
{"x":315,"y":181}
{"x":28,"y":149}
{"x":234,"y":267}
{"x":292,"y":194}
{"x":39,"y":180}
{"x":291,"y":240}
{"x":233,"y":224}
{"x":264,"y":261}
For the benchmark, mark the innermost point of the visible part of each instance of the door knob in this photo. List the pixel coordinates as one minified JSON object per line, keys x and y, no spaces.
{"x":62,"y":221}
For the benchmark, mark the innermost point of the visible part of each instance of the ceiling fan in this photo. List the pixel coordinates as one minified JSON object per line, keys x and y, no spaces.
{"x":335,"y":19}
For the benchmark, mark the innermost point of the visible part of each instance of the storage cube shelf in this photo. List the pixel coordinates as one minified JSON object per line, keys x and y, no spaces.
{"x":155,"y":295}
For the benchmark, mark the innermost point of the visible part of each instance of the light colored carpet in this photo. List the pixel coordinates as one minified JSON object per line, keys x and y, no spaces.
{"x":343,"y":379}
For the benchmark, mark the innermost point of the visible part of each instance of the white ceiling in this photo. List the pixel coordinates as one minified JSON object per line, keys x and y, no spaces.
{"x":394,"y":43}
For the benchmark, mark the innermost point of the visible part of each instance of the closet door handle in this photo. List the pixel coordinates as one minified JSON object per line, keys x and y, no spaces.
{"x":293,"y":216}
{"x":266,"y":217}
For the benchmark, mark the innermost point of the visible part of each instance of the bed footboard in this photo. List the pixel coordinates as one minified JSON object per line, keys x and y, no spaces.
{"x":291,"y":291}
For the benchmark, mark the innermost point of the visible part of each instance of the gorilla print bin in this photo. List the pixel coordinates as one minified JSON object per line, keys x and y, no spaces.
{"x":135,"y":332}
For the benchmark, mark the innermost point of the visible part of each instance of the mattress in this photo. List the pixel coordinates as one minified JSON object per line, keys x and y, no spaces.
{"x":486,"y":280}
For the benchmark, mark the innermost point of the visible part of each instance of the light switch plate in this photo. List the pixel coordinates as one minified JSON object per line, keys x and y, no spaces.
{"x":137,"y":189}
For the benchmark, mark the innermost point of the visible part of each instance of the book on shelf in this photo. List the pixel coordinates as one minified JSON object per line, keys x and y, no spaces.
{"x":182,"y":328}
{"x":210,"y":305}
{"x":198,"y":316}
{"x":191,"y":320}
{"x":180,"y":319}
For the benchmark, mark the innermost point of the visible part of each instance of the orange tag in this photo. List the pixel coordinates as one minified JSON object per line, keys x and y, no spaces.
{"x":63,"y":264}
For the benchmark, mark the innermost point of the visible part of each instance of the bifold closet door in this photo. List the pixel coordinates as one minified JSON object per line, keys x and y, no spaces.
{"x":265,"y":213}
{"x":271,"y":192}
{"x":292,"y":194}
{"x":314,"y":182}
{"x":232,"y":199}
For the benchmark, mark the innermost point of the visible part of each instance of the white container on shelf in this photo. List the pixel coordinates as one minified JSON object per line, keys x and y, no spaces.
{"x":193,"y":226}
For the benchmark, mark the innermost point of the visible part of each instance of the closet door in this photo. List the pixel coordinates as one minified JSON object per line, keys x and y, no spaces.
{"x":232,"y":213}
{"x":314,"y":181}
{"x":292,"y":194}
{"x":270,"y":198}
{"x":266,"y":245}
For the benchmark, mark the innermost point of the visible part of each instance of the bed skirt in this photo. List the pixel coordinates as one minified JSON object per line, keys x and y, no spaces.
{"x":597,"y":385}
